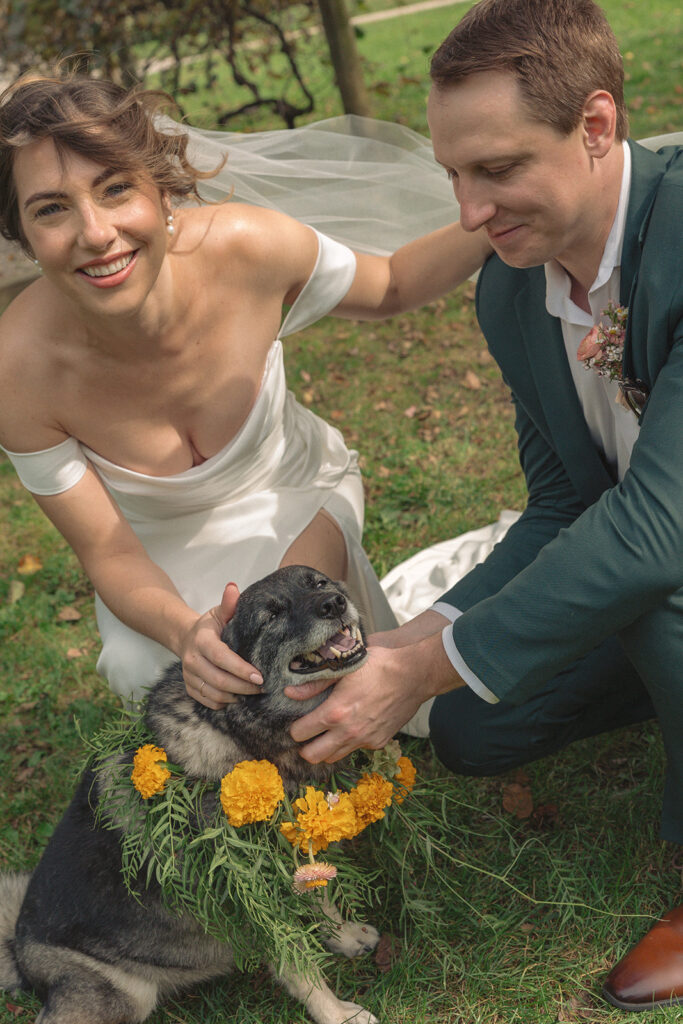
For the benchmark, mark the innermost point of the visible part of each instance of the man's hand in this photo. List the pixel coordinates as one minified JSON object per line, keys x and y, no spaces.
{"x":367,"y":707}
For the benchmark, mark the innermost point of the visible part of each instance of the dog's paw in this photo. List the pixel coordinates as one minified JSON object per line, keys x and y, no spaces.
{"x":352,"y":938}
{"x":352,"y":1013}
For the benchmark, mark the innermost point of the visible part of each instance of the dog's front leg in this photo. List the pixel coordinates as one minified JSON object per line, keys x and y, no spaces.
{"x":320,"y":1001}
{"x":347,"y":938}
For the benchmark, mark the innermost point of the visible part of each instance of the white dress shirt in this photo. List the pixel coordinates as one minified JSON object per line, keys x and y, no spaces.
{"x":613,"y":428}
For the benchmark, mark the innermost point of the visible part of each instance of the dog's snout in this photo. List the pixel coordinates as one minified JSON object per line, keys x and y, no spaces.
{"x":331,"y":606}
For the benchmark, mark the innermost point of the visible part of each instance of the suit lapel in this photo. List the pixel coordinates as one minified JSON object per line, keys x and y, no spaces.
{"x":567,"y":428}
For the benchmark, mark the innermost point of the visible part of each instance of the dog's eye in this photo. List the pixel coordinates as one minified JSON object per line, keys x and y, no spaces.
{"x":320,"y":583}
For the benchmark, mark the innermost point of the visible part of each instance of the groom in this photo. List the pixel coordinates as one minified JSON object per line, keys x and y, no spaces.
{"x":574,"y":623}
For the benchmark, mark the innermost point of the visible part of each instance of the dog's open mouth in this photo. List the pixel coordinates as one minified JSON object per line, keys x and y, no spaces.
{"x":342,"y":650}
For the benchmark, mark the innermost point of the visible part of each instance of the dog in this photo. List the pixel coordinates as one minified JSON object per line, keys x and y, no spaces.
{"x":73,"y":933}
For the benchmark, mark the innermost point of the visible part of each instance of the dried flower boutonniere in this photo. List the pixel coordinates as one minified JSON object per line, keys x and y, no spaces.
{"x":602,"y":350}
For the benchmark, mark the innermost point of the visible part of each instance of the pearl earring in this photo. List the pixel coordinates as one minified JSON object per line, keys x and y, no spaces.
{"x":37,"y":265}
{"x":170,"y":226}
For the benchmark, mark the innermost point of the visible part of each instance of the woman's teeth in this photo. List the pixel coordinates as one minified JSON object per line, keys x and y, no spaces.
{"x":107,"y":269}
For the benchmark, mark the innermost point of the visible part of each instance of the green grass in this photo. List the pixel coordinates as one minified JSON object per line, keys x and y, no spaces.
{"x":526,"y":926}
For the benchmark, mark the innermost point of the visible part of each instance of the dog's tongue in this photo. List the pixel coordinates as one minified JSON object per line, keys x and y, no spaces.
{"x":340,"y":641}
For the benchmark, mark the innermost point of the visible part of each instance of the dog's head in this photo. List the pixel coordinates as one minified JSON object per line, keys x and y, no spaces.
{"x":295,"y":626}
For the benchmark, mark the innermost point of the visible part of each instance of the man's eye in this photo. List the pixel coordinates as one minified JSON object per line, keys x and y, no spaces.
{"x":500,"y":172}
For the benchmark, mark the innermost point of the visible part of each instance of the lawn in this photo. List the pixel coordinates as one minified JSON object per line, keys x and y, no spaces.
{"x":538,"y":880}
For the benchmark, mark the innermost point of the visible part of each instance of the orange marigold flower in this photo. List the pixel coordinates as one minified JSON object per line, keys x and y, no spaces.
{"x":251,"y":792}
{"x":147,"y":776}
{"x":320,"y":821}
{"x":313,"y":876}
{"x":405,"y":779}
{"x":370,"y":798}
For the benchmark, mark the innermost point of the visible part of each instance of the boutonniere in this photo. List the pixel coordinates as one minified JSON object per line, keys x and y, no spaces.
{"x":602,"y":350}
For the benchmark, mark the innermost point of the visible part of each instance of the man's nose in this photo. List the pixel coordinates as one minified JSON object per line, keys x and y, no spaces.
{"x":476,"y":206}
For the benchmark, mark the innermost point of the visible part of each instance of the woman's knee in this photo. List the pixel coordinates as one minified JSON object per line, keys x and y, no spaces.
{"x":322,"y":546}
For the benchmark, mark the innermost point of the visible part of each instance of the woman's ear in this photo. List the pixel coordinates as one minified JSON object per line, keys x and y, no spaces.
{"x":599,"y":120}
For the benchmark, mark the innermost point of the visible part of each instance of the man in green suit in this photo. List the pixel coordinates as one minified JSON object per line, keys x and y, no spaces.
{"x":574,"y":624}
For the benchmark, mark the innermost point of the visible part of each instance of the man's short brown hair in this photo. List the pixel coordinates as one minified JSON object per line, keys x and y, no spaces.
{"x":560,"y":51}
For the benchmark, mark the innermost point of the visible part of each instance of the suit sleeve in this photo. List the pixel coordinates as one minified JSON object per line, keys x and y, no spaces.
{"x":552,"y":504}
{"x":615,"y":561}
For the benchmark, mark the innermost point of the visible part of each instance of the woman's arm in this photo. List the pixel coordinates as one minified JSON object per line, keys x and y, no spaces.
{"x":140,"y":593}
{"x":417,"y":273}
{"x":282,"y":253}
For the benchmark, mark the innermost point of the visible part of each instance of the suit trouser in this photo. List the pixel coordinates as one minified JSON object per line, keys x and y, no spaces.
{"x":625,"y":680}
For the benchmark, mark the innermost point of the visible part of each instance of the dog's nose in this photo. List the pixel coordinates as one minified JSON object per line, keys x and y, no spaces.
{"x":331,"y":606}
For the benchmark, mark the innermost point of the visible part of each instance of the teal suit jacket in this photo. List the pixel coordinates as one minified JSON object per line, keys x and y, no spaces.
{"x":588,"y":556}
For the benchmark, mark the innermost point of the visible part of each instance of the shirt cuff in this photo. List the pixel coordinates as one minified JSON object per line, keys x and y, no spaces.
{"x":454,"y":656}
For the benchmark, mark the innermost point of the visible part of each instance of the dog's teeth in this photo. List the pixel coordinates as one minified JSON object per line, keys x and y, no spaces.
{"x":336,"y":653}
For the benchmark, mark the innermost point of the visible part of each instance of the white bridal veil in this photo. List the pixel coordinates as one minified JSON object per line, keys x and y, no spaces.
{"x":373,"y":185}
{"x":370,"y":184}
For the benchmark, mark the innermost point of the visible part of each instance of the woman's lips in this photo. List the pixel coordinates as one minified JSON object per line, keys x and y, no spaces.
{"x":109,"y":273}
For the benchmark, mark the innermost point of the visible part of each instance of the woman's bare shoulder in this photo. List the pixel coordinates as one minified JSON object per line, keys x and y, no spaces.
{"x":28,"y":376}
{"x":255,"y":236}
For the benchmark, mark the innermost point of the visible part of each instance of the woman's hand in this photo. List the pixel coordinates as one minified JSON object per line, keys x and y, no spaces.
{"x":213,"y":673}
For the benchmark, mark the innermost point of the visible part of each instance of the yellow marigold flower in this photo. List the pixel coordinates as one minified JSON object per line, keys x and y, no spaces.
{"x":370,"y":798}
{"x":251,"y":792}
{"x":405,"y":779}
{"x":320,"y":821}
{"x":313,"y":876}
{"x":147,"y":776}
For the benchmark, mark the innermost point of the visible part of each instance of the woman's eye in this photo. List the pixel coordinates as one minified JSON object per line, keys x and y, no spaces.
{"x":118,"y":188}
{"x":47,"y":210}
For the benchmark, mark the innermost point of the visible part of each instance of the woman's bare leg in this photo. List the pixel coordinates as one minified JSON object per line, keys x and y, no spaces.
{"x":322,"y":546}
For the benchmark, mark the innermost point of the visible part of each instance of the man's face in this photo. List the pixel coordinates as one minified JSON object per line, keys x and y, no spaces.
{"x":532,"y":189}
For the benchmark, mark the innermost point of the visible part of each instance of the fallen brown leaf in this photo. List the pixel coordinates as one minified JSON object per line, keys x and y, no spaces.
{"x":69,"y":614}
{"x":517,"y":800}
{"x":387,"y":951}
{"x":29,"y":564}
{"x":472,"y":381}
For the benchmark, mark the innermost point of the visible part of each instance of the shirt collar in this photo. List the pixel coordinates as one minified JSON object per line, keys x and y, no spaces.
{"x":557,"y":280}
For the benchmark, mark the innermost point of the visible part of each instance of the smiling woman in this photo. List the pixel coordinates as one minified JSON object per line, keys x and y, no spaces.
{"x":143,"y":394}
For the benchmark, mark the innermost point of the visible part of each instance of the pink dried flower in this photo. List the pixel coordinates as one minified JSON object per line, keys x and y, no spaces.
{"x":313,"y":876}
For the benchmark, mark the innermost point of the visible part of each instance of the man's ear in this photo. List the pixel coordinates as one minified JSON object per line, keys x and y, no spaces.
{"x":599,"y":119}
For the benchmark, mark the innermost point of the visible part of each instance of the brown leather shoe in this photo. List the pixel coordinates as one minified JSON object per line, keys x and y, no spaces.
{"x":651,"y":974}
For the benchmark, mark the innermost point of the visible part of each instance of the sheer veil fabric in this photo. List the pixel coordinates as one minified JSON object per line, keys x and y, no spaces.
{"x":372,"y":185}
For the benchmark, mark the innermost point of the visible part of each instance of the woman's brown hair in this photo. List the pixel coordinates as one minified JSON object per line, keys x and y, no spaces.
{"x":116,"y":127}
{"x":560,"y":51}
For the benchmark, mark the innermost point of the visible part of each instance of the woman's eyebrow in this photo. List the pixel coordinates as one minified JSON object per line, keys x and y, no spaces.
{"x":99,"y":179}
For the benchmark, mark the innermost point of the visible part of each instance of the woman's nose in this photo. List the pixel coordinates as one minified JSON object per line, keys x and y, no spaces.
{"x":97,"y":230}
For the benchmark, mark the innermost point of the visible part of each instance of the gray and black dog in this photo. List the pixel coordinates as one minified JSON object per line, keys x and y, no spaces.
{"x":72,"y":932}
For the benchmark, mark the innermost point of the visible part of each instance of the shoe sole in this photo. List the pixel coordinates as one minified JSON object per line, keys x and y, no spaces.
{"x":639,"y":1007}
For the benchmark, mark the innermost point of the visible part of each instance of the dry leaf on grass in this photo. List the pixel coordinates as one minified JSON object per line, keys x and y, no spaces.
{"x":69,"y":614}
{"x":387,"y":951}
{"x":517,"y":800}
{"x":472,"y":381}
{"x":29,"y":564}
{"x":580,"y":1006}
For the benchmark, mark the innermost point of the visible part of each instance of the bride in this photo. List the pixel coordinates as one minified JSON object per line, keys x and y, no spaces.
{"x":143,"y":397}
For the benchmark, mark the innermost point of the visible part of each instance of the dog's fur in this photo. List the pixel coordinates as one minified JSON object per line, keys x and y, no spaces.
{"x":73,"y":933}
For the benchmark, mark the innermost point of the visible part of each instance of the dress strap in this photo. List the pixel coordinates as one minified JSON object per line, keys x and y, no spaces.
{"x":329,"y":282}
{"x":52,"y":470}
